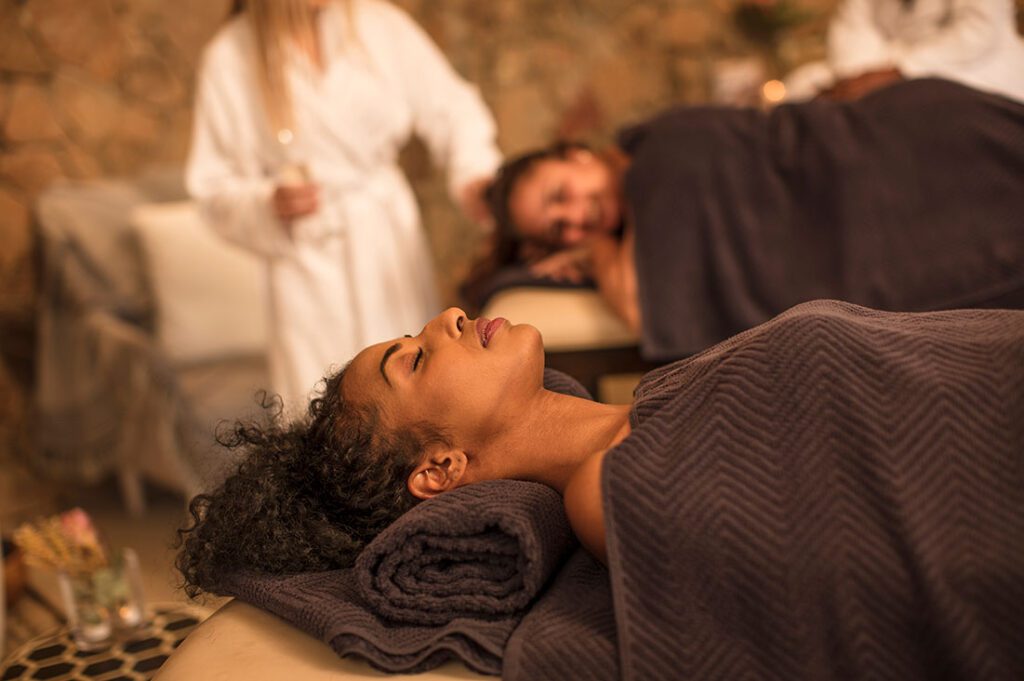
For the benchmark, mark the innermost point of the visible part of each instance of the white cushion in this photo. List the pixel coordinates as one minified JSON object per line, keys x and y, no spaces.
{"x":210,"y":296}
{"x":568,"y":319}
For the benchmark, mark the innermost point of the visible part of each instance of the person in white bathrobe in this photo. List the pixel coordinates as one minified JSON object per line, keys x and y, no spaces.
{"x":872,"y":43}
{"x":301,"y":109}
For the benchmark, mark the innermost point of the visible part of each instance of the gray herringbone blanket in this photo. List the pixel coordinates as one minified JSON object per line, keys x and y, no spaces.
{"x":836,"y":494}
{"x":910,"y":199}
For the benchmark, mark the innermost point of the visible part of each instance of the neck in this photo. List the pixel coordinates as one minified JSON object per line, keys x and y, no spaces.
{"x":554,"y":437}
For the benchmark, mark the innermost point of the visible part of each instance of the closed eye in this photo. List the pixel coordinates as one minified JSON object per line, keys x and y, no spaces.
{"x":416,"y":362}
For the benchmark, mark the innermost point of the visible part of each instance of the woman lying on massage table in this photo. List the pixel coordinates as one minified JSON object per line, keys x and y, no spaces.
{"x":833,"y":488}
{"x":706,"y":221}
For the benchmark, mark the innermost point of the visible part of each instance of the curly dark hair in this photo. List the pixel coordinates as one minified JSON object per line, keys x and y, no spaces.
{"x":307,"y":496}
{"x":506,"y":245}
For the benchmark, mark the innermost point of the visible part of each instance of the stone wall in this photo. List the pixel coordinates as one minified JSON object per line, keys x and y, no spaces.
{"x":88,"y":88}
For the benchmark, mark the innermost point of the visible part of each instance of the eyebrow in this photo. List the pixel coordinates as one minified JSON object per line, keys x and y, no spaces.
{"x":383,"y":360}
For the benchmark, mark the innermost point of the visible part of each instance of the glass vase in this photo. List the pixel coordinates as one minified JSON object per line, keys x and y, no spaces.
{"x":89,"y":619}
{"x":128,"y":602}
{"x":104,"y":600}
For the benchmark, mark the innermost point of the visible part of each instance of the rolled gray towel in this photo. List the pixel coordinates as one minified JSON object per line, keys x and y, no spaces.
{"x":483,"y":551}
{"x":452,"y":578}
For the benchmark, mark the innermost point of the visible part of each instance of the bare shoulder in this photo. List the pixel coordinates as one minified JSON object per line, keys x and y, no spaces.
{"x":583,"y":505}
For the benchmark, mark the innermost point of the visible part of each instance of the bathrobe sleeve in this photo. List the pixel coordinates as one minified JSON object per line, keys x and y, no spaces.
{"x":856,"y":44}
{"x":448,"y":113}
{"x":970,"y":35}
{"x":224,"y":172}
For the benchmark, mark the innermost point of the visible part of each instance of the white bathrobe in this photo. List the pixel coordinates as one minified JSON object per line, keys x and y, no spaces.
{"x":974,"y":42}
{"x":359,"y":271}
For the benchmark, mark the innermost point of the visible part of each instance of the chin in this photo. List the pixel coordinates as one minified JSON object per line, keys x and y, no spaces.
{"x":533,"y":339}
{"x":531,"y":350}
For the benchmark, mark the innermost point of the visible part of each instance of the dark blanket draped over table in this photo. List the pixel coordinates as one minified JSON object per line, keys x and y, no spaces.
{"x":835,"y":494}
{"x":910,"y":199}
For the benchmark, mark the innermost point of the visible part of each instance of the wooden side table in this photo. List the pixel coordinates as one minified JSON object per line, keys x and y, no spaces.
{"x":135,"y":657}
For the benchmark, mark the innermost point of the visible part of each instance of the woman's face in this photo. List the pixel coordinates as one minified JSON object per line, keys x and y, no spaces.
{"x":466,"y":377}
{"x":562,"y":202}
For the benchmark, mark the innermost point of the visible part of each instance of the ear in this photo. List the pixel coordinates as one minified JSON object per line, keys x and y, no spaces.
{"x":440,"y":470}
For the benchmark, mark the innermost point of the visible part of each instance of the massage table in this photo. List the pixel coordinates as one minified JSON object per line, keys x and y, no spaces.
{"x":242,"y":643}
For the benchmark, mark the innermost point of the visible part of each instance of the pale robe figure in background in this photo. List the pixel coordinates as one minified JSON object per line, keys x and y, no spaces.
{"x":354,"y":267}
{"x":972,"y":42}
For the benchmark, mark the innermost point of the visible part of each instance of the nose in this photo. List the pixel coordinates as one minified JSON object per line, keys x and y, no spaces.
{"x":575,"y":227}
{"x":448,"y":323}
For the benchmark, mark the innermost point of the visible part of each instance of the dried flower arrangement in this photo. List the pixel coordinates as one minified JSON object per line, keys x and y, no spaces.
{"x":67,"y":542}
{"x":98,"y":591}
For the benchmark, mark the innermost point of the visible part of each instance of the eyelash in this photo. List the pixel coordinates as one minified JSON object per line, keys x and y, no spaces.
{"x":416,"y":362}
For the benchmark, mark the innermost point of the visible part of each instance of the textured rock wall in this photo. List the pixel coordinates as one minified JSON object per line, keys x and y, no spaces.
{"x":87,"y":88}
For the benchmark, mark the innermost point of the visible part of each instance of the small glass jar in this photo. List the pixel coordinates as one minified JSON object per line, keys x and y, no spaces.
{"x":103,"y":600}
{"x":89,"y":618}
{"x":130,"y":605}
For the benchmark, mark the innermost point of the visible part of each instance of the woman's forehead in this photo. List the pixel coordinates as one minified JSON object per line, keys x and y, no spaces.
{"x":359,"y":376}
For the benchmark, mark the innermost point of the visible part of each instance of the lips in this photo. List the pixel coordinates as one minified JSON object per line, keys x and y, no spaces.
{"x":486,"y":328}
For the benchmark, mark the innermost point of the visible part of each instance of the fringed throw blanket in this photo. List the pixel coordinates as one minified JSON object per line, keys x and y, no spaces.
{"x":836,"y":494}
{"x":910,"y":199}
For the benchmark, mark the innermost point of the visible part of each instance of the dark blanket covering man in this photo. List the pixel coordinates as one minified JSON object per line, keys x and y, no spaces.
{"x":910,"y":199}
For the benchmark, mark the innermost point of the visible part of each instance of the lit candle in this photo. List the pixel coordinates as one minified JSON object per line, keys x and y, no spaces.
{"x":773,"y":92}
